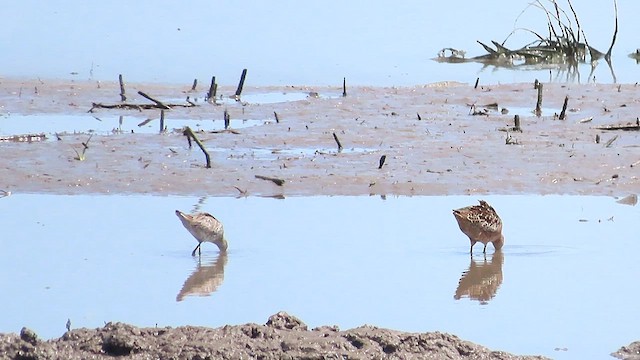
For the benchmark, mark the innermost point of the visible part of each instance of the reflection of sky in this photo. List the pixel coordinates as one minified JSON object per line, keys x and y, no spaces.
{"x":328,"y":260}
{"x":285,"y":42}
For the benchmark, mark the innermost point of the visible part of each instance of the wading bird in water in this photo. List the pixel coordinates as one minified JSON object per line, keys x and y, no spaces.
{"x":482,"y":224}
{"x":204,"y":227}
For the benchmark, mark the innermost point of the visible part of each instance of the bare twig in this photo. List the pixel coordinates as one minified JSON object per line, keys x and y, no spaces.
{"x":159,"y":103}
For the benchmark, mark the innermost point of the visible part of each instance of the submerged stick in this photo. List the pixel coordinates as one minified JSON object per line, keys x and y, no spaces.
{"x":539,"y":102}
{"x":123,"y":97}
{"x":158,"y":102}
{"x":344,"y":87}
{"x":276,"y":181}
{"x":563,"y":113}
{"x":241,"y":83}
{"x":227,"y":119}
{"x":190,"y":135}
{"x":335,"y":137}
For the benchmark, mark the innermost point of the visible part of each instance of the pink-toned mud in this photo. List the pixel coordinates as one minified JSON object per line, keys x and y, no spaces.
{"x":447,"y":151}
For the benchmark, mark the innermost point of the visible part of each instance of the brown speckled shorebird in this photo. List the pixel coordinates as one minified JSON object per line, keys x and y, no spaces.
{"x":204,"y":227}
{"x":482,"y":224}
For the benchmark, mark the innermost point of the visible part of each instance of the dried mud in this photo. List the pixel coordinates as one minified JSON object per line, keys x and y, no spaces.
{"x":446,"y":151}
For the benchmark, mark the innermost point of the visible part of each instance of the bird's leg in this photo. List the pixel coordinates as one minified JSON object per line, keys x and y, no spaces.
{"x":484,"y":251}
{"x":471,"y":249}
{"x":194,"y":250}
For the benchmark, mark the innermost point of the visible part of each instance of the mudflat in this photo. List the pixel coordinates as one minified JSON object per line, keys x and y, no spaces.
{"x":443,"y":138}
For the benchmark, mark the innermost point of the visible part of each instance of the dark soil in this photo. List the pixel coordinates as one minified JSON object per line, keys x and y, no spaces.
{"x":282,"y":337}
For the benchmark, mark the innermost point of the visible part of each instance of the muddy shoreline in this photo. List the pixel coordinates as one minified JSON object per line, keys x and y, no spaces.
{"x":444,"y":151}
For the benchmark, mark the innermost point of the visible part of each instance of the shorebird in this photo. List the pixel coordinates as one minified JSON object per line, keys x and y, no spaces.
{"x":204,"y":227}
{"x":482,"y":224}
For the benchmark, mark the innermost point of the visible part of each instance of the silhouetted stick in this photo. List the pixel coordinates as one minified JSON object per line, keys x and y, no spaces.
{"x":195,"y":84}
{"x":161,"y":120}
{"x":382,"y":159}
{"x":276,"y":181}
{"x":419,"y":118}
{"x":539,"y":102}
{"x":335,"y":137}
{"x":516,"y":120}
{"x":476,"y":85}
{"x":189,"y":134}
{"x":158,"y":102}
{"x":597,"y":138}
{"x":344,"y":87}
{"x":227,"y":119}
{"x":212,"y":94}
{"x":241,"y":83}
{"x":563,"y":113}
{"x":277,"y":118}
{"x":123,"y":97}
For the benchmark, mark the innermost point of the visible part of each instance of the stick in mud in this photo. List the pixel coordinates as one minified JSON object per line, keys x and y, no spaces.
{"x":123,"y":97}
{"x":516,"y":126}
{"x":158,"y":102}
{"x":241,"y":83}
{"x":195,"y":84}
{"x":563,"y":113}
{"x":335,"y":137}
{"x":227,"y":119}
{"x":189,"y":134}
{"x":161,"y":121}
{"x":344,"y":87}
{"x":212,"y":93}
{"x":419,"y":118}
{"x":276,"y":116}
{"x":535,"y":84}
{"x":276,"y":181}
{"x":477,"y":81}
{"x":539,"y":102}
{"x":382,"y":160}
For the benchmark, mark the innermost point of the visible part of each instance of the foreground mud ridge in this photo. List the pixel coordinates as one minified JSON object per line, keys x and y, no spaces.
{"x":282,"y":337}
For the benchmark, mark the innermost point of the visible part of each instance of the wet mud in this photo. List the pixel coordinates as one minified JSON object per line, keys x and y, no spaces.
{"x":282,"y":337}
{"x":432,"y":142}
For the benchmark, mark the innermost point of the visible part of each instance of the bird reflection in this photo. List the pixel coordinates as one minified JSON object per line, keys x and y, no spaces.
{"x":482,"y":280}
{"x":205,"y":279}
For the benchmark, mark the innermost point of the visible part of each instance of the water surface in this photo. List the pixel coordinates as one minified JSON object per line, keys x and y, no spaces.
{"x":310,"y":42}
{"x":566,"y":277}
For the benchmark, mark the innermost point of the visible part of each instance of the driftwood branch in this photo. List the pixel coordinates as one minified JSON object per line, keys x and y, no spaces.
{"x":190,"y":135}
{"x":276,"y":181}
{"x":138,"y":107}
{"x":159,"y":103}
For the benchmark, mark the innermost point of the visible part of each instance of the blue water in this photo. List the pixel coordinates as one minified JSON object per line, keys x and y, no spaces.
{"x":567,"y":280}
{"x":291,"y":42}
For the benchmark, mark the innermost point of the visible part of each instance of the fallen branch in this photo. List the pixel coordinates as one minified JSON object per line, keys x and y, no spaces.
{"x":159,"y":103}
{"x":276,"y":181}
{"x":138,"y":107}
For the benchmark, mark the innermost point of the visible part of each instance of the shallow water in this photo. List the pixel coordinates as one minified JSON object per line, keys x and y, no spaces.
{"x":51,"y":124}
{"x":316,"y":43}
{"x":567,"y":279}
